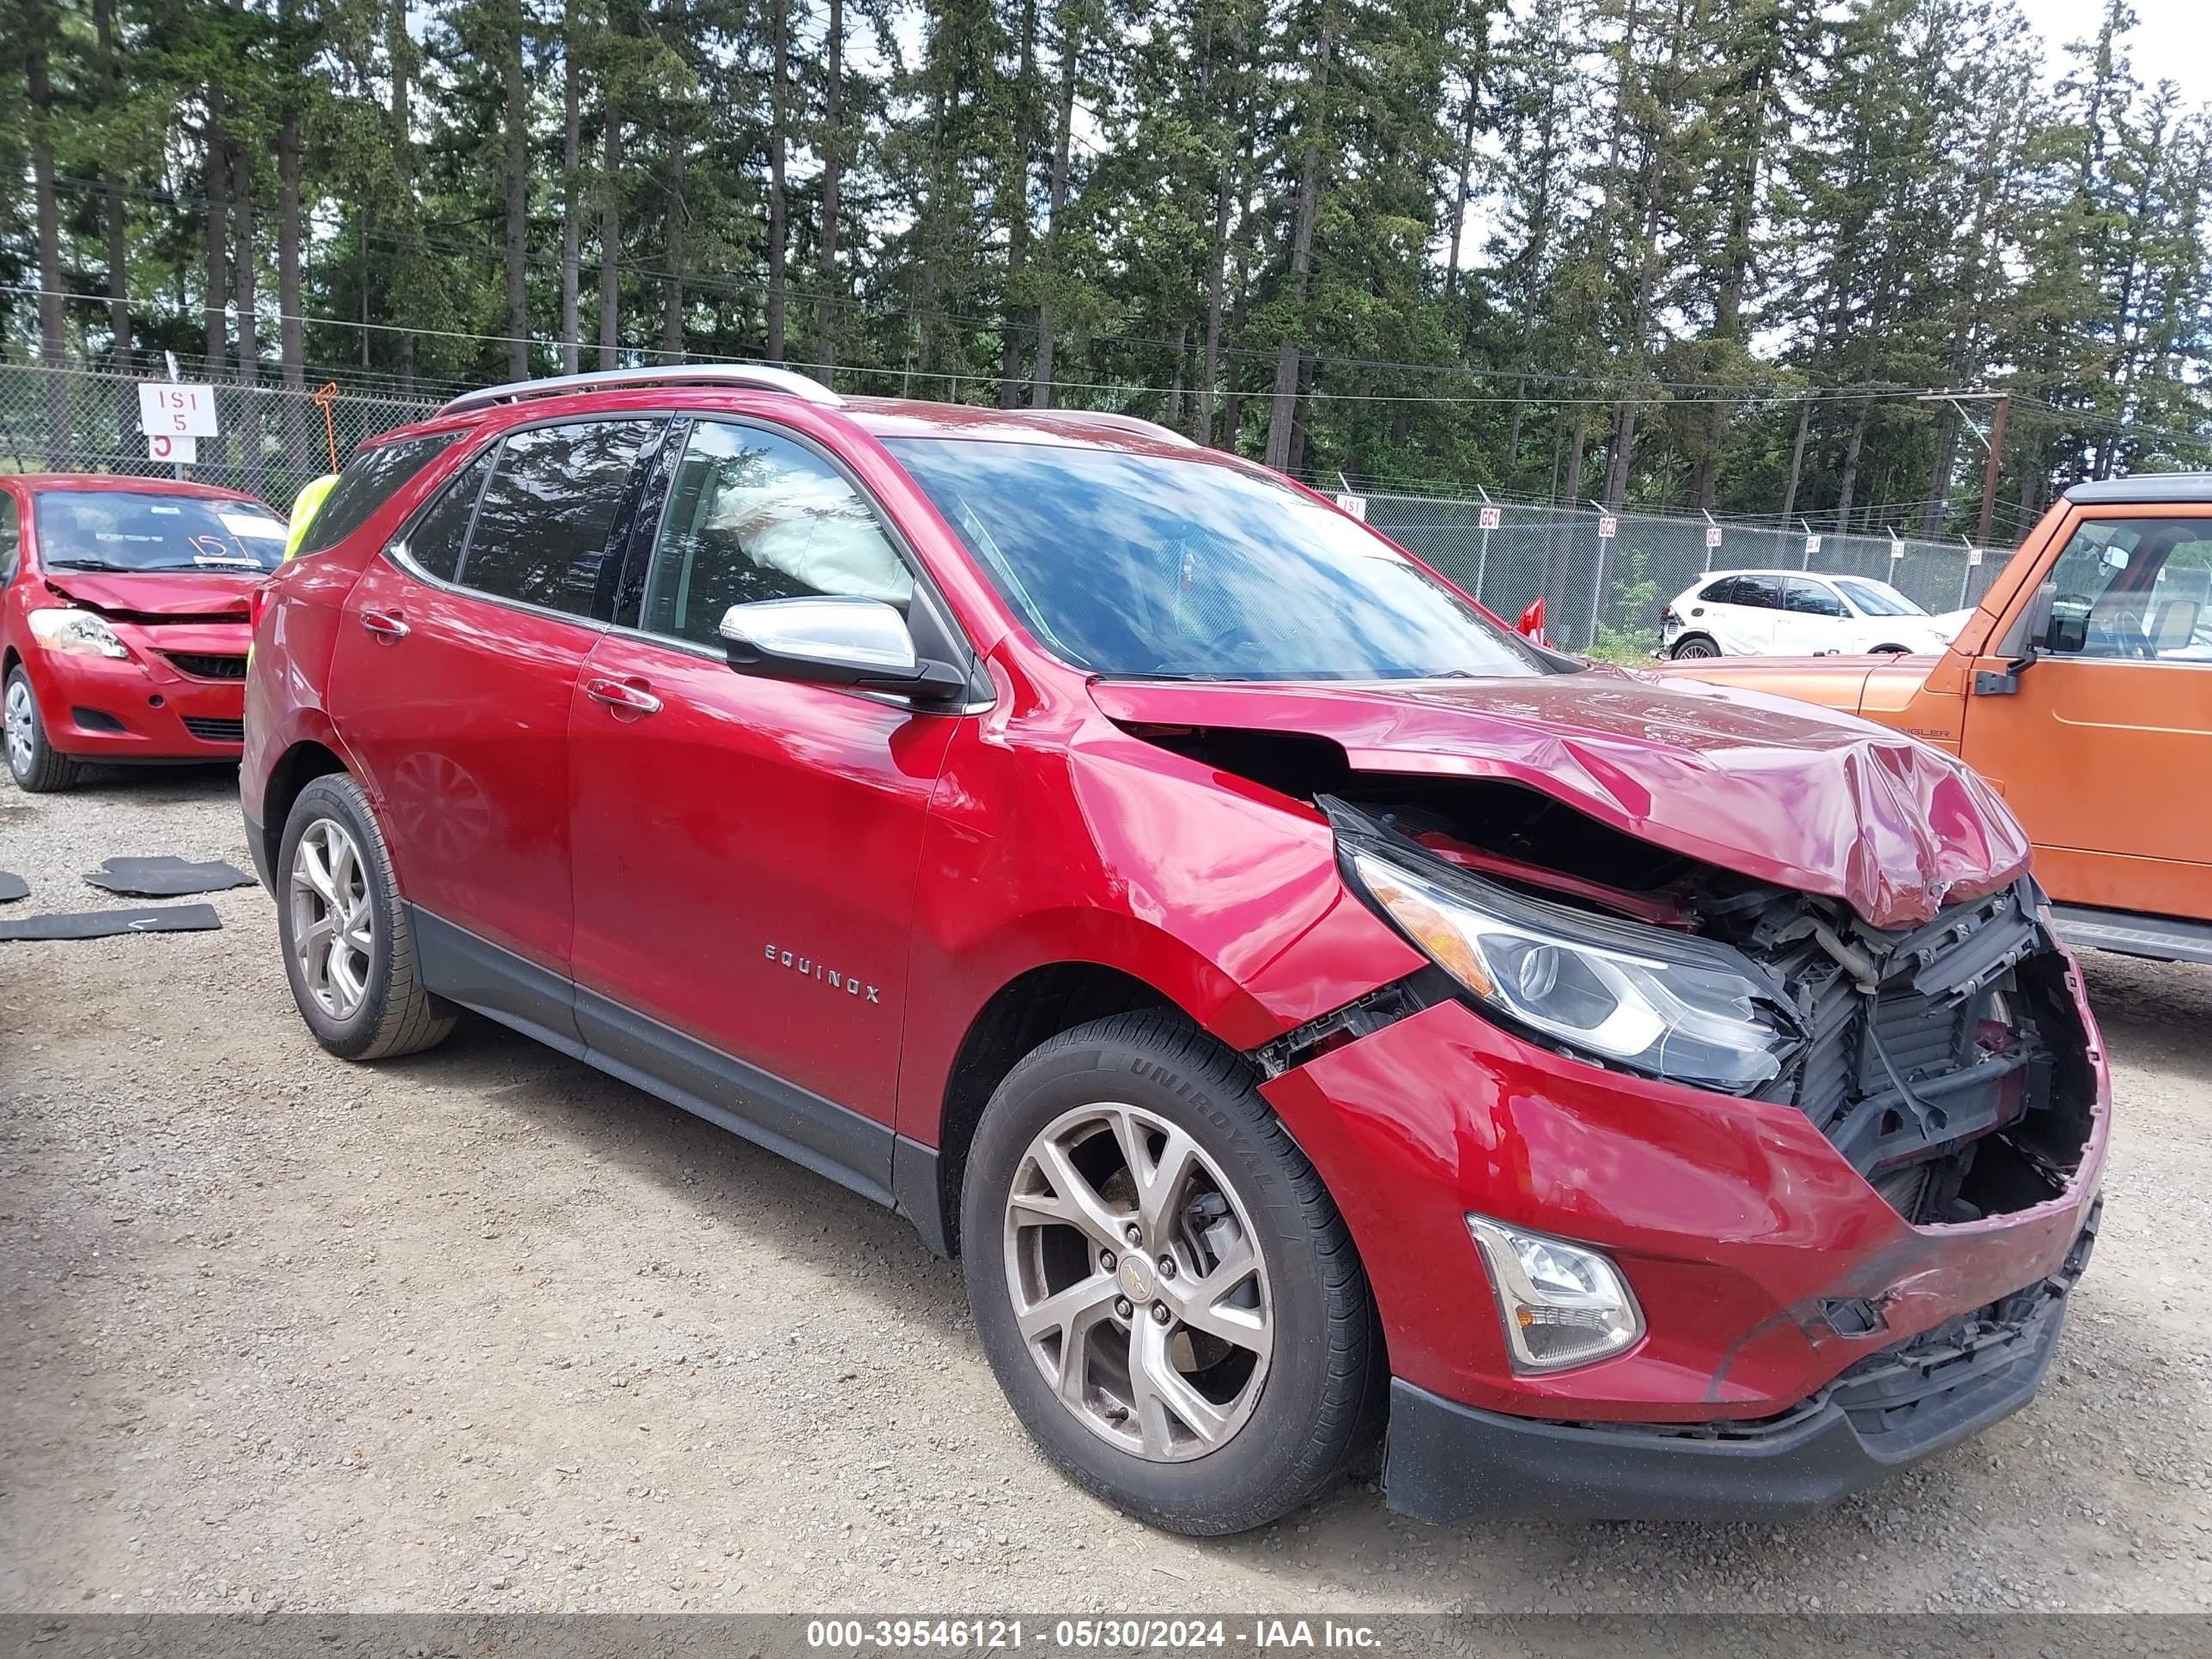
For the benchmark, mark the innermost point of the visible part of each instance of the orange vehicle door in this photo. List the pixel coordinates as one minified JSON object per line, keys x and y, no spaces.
{"x":2103,"y":750}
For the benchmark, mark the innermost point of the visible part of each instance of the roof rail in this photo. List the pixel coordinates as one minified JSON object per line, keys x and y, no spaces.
{"x":1135,"y":425}
{"x":760,"y":377}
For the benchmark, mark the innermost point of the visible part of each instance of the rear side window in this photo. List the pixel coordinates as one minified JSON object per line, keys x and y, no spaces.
{"x":549,"y":511}
{"x":1759,"y":593}
{"x":1720,"y":593}
{"x":435,"y":543}
{"x":367,"y":482}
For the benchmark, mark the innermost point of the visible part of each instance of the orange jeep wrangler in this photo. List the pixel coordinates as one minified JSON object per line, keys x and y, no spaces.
{"x":2081,"y":689}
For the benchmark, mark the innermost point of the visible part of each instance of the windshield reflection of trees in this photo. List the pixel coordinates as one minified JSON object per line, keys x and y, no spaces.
{"x":1141,"y":565}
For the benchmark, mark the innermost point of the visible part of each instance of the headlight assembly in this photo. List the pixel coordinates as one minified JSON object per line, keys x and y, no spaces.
{"x":74,"y":633}
{"x":1689,"y":1010}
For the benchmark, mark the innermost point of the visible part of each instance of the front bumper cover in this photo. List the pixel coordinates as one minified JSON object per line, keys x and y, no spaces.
{"x":1446,"y":1461}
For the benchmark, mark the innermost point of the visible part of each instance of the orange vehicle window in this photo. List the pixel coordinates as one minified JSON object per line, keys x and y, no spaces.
{"x":2134,"y":590}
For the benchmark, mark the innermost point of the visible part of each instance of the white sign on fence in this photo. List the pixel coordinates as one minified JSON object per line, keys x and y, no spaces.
{"x":1607,"y":527}
{"x":1490,"y":518}
{"x":1897,"y":550}
{"x":1812,"y":545}
{"x":1712,"y":535}
{"x":182,"y":411}
{"x":170,"y":447}
{"x":1355,"y":505}
{"x":1973,"y":556}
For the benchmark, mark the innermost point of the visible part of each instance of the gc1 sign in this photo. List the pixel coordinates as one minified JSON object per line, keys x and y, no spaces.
{"x":1712,"y":535}
{"x":1490,"y":518}
{"x":179,"y":411}
{"x":1607,"y":527}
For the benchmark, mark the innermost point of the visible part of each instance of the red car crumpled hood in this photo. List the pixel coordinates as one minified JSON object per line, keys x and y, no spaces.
{"x":1781,"y":791}
{"x":161,"y":593}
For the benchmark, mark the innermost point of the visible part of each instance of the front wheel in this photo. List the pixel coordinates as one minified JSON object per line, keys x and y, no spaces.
{"x":1163,"y":1285}
{"x":348,"y":949}
{"x":37,"y":766}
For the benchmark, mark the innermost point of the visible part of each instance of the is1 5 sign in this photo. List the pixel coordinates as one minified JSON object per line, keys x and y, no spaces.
{"x":178,"y":411}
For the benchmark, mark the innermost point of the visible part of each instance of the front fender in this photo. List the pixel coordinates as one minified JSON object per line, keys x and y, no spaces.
{"x":1055,"y":837}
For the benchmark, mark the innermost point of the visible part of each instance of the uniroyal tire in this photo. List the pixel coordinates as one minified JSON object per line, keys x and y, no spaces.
{"x":1319,"y":1396}
{"x":394,"y":1013}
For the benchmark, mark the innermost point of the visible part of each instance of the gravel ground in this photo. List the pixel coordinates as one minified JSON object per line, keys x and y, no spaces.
{"x":483,"y":1329}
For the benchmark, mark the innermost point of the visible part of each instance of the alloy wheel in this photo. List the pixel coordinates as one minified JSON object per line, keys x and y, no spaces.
{"x":332,"y":923}
{"x":1694,"y":648}
{"x":19,"y":718}
{"x":1137,"y":1286}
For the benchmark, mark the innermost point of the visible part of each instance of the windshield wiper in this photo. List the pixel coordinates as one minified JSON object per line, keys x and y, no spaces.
{"x":90,"y":564}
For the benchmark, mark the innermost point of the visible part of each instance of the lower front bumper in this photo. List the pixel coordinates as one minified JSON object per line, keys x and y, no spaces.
{"x":1447,"y":1461}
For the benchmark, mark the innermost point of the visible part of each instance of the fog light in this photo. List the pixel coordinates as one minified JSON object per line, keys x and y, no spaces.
{"x":1561,"y":1304}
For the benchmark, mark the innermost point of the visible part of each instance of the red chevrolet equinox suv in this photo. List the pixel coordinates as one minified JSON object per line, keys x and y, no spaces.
{"x":1304,"y":1008}
{"x":123,"y":620}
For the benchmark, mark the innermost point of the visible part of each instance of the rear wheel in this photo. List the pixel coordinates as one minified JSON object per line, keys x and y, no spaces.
{"x":1695,"y":646}
{"x":1163,"y":1285}
{"x":37,"y":766}
{"x":348,"y":949}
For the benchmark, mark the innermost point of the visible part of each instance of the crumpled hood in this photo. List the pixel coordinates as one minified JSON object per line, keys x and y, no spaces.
{"x":1781,"y":791}
{"x":159,"y":592}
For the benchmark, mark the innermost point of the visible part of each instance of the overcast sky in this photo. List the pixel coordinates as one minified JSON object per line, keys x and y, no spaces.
{"x":2172,"y":40}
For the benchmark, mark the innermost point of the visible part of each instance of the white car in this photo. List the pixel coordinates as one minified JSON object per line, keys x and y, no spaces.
{"x":1796,"y":613}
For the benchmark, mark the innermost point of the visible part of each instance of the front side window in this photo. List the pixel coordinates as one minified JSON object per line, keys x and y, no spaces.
{"x":369,"y":480}
{"x":1174,"y":568}
{"x":1811,"y":599}
{"x":2133,"y":588}
{"x":548,"y":513}
{"x":752,"y":516}
{"x":11,"y":537}
{"x":131,"y":529}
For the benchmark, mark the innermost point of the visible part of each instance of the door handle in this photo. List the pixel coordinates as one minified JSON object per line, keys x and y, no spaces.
{"x":626,"y":697}
{"x":388,"y":625}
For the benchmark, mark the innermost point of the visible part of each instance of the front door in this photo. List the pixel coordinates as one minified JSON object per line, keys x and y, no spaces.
{"x":2104,"y":750}
{"x":453,"y":670}
{"x":747,"y":849}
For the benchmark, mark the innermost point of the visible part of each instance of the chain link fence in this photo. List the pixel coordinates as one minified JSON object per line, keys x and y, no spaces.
{"x":270,"y":438}
{"x":1602,"y":593}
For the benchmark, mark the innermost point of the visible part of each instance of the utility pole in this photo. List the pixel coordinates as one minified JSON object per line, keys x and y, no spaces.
{"x":1989,"y":464}
{"x":1992,"y":443}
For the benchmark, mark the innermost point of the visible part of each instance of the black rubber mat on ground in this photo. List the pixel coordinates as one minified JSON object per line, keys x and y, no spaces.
{"x":101,"y":923}
{"x":12,"y":887}
{"x":166,"y":877}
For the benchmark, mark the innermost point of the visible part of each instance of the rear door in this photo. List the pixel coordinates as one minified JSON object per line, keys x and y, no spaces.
{"x":1813,"y":621}
{"x":456,"y":658}
{"x":1745,"y":626}
{"x":2104,"y":749}
{"x":747,"y":849}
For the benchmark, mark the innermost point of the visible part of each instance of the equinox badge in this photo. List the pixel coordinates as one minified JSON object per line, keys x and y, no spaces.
{"x":828,"y":977}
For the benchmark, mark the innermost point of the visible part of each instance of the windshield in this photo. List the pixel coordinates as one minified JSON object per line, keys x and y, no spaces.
{"x":1184,"y":569}
{"x":1878,"y":599}
{"x":129,"y":530}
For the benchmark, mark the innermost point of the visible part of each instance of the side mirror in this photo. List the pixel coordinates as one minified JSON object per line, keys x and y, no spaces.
{"x":834,"y":640}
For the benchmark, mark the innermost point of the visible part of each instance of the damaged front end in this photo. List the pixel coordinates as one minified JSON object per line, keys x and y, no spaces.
{"x":1948,"y":1063}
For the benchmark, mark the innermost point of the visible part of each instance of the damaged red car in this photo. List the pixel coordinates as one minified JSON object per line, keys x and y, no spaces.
{"x":124,"y":620}
{"x":1306,"y":1009}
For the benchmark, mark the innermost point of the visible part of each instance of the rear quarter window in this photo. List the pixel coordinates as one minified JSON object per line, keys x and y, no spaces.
{"x":367,"y":482}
